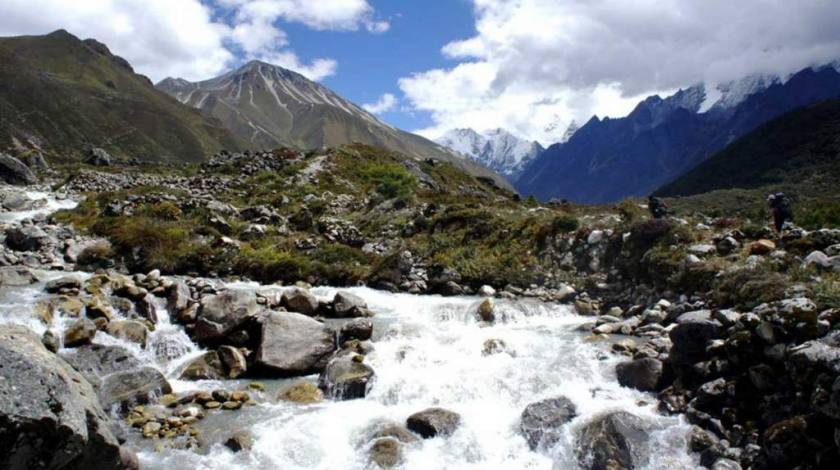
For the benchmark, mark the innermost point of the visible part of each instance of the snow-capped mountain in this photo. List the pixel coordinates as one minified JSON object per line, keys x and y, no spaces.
{"x":497,"y":149}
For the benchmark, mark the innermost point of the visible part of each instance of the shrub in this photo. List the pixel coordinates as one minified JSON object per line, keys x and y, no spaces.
{"x":826,"y":214}
{"x":565,"y":223}
{"x":630,"y":212}
{"x":827,"y":292}
{"x":165,"y":210}
{"x":390,"y":180}
{"x":748,"y":288}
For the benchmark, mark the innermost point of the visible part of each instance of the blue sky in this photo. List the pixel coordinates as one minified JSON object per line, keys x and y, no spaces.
{"x":533,"y":67}
{"x":370,"y":65}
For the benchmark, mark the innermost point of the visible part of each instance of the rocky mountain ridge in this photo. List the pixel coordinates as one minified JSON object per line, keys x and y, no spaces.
{"x":496,"y":149}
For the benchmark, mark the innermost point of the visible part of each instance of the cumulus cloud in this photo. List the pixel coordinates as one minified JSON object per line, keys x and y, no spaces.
{"x":193,"y":39}
{"x":386,"y":102}
{"x":534,"y":62}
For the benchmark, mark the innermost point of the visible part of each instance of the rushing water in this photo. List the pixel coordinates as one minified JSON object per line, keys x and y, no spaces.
{"x":428,"y":352}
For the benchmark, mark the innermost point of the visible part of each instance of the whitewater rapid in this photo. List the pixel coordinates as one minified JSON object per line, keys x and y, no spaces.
{"x":428,"y":352}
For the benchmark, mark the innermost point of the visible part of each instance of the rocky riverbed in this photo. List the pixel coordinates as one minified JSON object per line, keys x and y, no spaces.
{"x":681,"y":344}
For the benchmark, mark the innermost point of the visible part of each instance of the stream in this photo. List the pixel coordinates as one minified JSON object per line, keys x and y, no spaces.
{"x":428,"y":352}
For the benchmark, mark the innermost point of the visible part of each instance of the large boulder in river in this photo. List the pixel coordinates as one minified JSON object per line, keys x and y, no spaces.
{"x":346,"y":305}
{"x":50,"y":417}
{"x":541,"y":422}
{"x":692,"y":334}
{"x":346,"y":377}
{"x":14,"y":171}
{"x":132,"y":386}
{"x":95,"y":361}
{"x":301,"y":301}
{"x":434,"y":422}
{"x":129,"y":330}
{"x":79,"y":333}
{"x":292,"y":344}
{"x":17,"y":276}
{"x":224,"y":312}
{"x":26,"y":238}
{"x":617,"y":440}
{"x":643,"y":374}
{"x":207,"y":366}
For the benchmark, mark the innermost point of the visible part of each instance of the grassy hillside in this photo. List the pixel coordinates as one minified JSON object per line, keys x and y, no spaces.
{"x":60,"y":93}
{"x":800,"y":150}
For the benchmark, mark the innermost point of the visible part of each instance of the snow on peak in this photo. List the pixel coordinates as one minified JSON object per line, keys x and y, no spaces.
{"x":497,"y":149}
{"x":728,"y":95}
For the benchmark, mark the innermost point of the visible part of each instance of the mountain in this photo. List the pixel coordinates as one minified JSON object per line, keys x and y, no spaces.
{"x":269,"y":106}
{"x":496,"y":149}
{"x":799,"y":148}
{"x":609,"y":159}
{"x":59,"y":93}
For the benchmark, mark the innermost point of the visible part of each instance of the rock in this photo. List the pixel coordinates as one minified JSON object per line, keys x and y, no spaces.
{"x":642,"y":374}
{"x":146,"y":308}
{"x":233,"y":361}
{"x":386,"y":452}
{"x":239,"y":441}
{"x":699,"y":439}
{"x":822,"y":261}
{"x":762,"y":247}
{"x":300,"y":301}
{"x":97,"y":157}
{"x":95,"y":360}
{"x":79,"y":333}
{"x":50,"y":414}
{"x":224,"y":312}
{"x":788,"y":441}
{"x":293,"y":344}
{"x":13,"y":171}
{"x":614,"y":441}
{"x":129,"y":330}
{"x":542,"y":422}
{"x":17,"y":276}
{"x":495,"y":346}
{"x":434,"y":422}
{"x":726,"y":464}
{"x":304,"y":393}
{"x":132,"y":386}
{"x":347,"y":305}
{"x":485,"y":311}
{"x":727,"y":245}
{"x":49,"y":340}
{"x":178,"y":299}
{"x":26,"y":238}
{"x":360,"y":329}
{"x":208,"y":366}
{"x":691,"y":335}
{"x":486,"y":291}
{"x":346,"y":377}
{"x":702,"y":250}
{"x":63,"y":284}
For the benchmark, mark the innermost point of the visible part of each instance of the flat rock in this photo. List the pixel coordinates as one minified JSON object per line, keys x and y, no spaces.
{"x":293,"y":344}
{"x":434,"y":422}
{"x":132,"y":386}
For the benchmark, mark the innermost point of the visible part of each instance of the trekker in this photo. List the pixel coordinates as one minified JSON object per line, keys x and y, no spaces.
{"x":658,"y":208}
{"x":782,"y":212}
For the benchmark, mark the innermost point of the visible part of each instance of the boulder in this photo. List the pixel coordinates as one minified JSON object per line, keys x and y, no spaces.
{"x":95,"y":361}
{"x":79,"y":333}
{"x":293,"y":344}
{"x":304,"y":393}
{"x":346,"y":377}
{"x":207,"y":366}
{"x":233,"y":361}
{"x":691,"y":335}
{"x":346,"y":305}
{"x":239,"y":441}
{"x":618,"y":440}
{"x":486,"y":291}
{"x":762,"y":247}
{"x":541,"y":422}
{"x":359,"y":329}
{"x":26,"y":238}
{"x":222,"y":313}
{"x":178,"y":299}
{"x":485,"y":311}
{"x":434,"y":422}
{"x":17,"y":276}
{"x":642,"y":374}
{"x":132,"y":386}
{"x":300,"y":301}
{"x":14,"y":171}
{"x":386,"y":452}
{"x":129,"y":330}
{"x":50,"y":414}
{"x":97,"y":156}
{"x":63,"y":284}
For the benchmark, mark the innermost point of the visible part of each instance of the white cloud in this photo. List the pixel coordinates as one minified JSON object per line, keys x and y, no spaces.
{"x":533,"y":61}
{"x":386,"y":102}
{"x":189,"y":38}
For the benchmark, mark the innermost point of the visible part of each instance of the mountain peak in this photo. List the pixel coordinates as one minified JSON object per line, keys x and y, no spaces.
{"x":497,"y":149}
